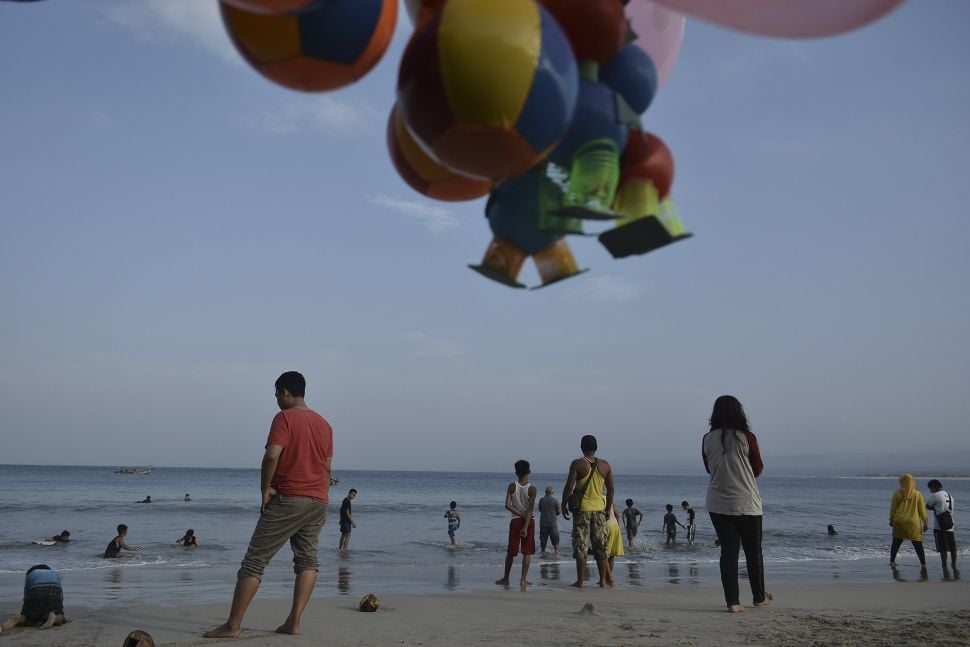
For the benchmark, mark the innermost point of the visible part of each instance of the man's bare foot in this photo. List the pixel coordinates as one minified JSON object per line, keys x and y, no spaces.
{"x":222,"y":631}
{"x":502,"y":582}
{"x":287,"y":628}
{"x":51,"y":617}
{"x":523,"y":585}
{"x":735,"y":608}
{"x":577,"y":584}
{"x":766,"y":602}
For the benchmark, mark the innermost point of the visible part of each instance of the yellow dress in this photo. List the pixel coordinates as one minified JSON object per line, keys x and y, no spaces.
{"x":614,"y":537}
{"x":908,"y":516}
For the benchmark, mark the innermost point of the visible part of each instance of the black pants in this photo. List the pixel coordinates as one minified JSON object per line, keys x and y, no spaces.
{"x":917,"y":546}
{"x":735,"y":532}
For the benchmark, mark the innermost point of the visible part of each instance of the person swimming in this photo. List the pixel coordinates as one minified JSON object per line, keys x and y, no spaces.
{"x":147,"y":499}
{"x":832,"y":530}
{"x":65,"y":536}
{"x":188,"y":539}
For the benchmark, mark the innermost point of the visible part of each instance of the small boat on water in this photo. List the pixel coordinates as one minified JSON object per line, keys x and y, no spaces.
{"x":134,"y":470}
{"x":334,"y":481}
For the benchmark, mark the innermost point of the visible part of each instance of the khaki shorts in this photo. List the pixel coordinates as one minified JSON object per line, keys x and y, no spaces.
{"x":296,"y":519}
{"x":589,"y":533}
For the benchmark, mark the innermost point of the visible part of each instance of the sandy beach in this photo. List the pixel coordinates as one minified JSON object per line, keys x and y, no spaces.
{"x":833,"y":614}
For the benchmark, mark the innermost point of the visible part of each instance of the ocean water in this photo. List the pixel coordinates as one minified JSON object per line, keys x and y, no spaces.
{"x":400,"y":544}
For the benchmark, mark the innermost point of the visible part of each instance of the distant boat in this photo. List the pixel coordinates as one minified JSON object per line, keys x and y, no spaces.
{"x":334,"y":481}
{"x":134,"y":470}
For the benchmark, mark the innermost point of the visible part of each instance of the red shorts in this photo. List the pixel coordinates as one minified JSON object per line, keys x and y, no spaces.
{"x":526,"y":544}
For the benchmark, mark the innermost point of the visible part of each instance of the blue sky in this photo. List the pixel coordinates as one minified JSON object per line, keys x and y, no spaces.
{"x":175,"y":231}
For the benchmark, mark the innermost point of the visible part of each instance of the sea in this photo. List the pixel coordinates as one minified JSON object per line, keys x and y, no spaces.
{"x":400,"y":545}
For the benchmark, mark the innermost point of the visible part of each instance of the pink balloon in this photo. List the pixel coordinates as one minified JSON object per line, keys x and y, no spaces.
{"x":659,"y":33}
{"x":786,"y":18}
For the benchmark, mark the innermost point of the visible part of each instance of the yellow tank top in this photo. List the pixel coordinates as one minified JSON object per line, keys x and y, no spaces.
{"x":594,"y":499}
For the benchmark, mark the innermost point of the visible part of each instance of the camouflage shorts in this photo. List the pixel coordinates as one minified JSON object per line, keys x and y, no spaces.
{"x":589,"y":532}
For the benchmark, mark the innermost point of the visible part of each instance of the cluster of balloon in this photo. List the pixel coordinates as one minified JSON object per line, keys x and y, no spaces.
{"x":538,"y":98}
{"x":535,"y":103}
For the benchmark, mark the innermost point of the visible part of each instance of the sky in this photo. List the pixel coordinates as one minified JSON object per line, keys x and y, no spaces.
{"x":176,"y":231}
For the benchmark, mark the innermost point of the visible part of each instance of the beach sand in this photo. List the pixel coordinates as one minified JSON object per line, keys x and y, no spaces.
{"x":913,"y":612}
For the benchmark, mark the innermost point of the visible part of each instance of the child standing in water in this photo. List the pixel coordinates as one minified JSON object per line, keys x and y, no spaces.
{"x":520,"y":500}
{"x":454,"y":521}
{"x":670,"y":525}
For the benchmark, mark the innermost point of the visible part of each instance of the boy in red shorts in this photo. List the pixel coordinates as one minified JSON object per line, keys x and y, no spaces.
{"x":520,"y":500}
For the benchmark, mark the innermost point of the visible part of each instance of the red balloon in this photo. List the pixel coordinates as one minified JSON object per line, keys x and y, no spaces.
{"x":596,"y":28}
{"x":647,"y":156}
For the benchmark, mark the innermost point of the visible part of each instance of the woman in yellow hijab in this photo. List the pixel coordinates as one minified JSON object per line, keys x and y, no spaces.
{"x":907,"y":518}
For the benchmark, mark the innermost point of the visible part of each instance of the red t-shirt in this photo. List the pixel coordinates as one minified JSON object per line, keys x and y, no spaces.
{"x":307,"y":442}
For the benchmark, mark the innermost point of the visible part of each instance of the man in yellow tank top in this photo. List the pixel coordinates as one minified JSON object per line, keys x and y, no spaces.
{"x":594,"y":478}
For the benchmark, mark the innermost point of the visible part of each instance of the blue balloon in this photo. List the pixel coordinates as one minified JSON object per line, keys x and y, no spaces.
{"x":513,"y":211}
{"x":633,"y":75}
{"x":595,"y":118}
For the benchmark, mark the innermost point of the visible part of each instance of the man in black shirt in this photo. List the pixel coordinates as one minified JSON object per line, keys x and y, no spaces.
{"x":346,"y":520}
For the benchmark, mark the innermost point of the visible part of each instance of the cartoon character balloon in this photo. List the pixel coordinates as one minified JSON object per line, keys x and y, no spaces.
{"x":511,"y":210}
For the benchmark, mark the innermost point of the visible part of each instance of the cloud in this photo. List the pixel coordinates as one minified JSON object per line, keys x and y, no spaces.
{"x":436,"y":219}
{"x":318,"y":114}
{"x":197,"y":20}
{"x":428,"y":346}
{"x":603,"y":289}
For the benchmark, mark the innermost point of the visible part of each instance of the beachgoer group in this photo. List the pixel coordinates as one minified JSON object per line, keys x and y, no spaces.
{"x":296,"y":474}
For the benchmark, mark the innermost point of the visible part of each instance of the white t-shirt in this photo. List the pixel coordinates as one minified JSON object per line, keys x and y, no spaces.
{"x":937,"y":502}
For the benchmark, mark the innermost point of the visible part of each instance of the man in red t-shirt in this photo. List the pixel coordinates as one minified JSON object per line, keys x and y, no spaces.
{"x":295,"y":479}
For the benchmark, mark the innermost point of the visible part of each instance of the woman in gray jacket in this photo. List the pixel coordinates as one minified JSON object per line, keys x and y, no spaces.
{"x":732,"y":458}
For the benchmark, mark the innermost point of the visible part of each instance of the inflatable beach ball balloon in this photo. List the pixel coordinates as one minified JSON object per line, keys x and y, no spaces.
{"x":424,"y":174}
{"x":323,"y":47}
{"x":488,"y":87}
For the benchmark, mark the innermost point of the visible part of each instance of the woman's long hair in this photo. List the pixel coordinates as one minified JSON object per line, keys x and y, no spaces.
{"x":728,"y":414}
{"x":907,"y":486}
